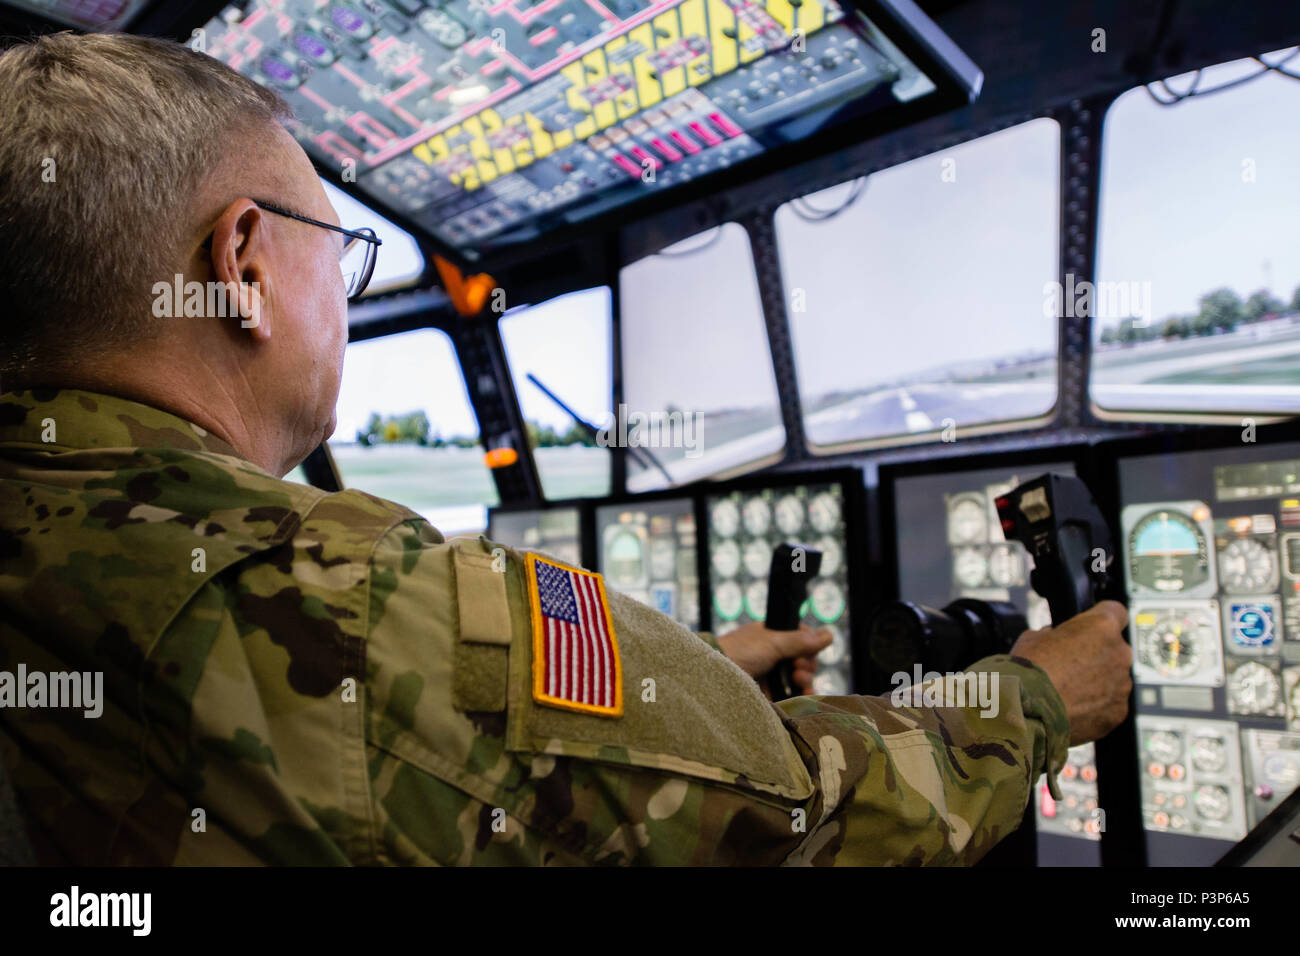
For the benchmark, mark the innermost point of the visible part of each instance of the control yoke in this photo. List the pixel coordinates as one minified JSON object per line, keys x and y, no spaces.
{"x":793,"y":566}
{"x":1059,"y":523}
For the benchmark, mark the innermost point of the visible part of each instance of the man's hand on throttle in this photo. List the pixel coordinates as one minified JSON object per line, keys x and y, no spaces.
{"x":1089,"y":665}
{"x":756,"y":650}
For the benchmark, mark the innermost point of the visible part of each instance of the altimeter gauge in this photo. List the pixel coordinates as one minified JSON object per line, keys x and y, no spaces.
{"x":758,"y":559}
{"x":827,"y":601}
{"x":757,"y":516}
{"x":1246,"y":566}
{"x":789,"y":514}
{"x":725,"y":518}
{"x":728,"y":600}
{"x":1209,"y":754}
{"x":832,"y":555}
{"x":824,"y":512}
{"x":1164,"y":746}
{"x":726,"y":559}
{"x":1253,"y":689}
{"x":1212,"y":803}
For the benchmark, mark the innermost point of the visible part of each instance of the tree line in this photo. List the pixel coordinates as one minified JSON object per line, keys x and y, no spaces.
{"x":1219,"y":311}
{"x":413,"y":428}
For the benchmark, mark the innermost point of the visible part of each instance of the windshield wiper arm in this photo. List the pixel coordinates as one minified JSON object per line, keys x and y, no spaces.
{"x":644,"y":457}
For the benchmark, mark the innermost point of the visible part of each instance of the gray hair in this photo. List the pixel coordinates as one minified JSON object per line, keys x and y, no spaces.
{"x":104,"y":141}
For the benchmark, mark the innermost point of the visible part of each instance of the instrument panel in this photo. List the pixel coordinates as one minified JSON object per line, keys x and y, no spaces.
{"x":1211,"y":542}
{"x":647,"y":551}
{"x":106,"y":16}
{"x":553,"y":531}
{"x":745,"y":526}
{"x":488,"y":120}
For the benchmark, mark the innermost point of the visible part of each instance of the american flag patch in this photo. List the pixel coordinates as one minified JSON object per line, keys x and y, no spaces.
{"x":575,"y":654}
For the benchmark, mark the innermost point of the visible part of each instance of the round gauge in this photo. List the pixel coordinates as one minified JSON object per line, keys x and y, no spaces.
{"x":1253,"y":689}
{"x":830,"y":684}
{"x":1006,"y":567}
{"x":1209,"y":754}
{"x":1212,"y":803}
{"x":832,"y":556}
{"x":757,"y":516}
{"x":1247,"y":567}
{"x":968,"y":520}
{"x":835,"y":651}
{"x":728,"y":600}
{"x":1164,"y":746}
{"x":1168,"y":553}
{"x":1251,"y":626}
{"x":1171,"y":642}
{"x":1282,"y":772}
{"x":970,"y":568}
{"x":789,"y":514}
{"x":725,"y":517}
{"x":625,"y":559}
{"x":827,"y":601}
{"x":758,"y":559}
{"x":663,"y":558}
{"x":726,"y":559}
{"x":824,"y":512}
{"x":756,"y":600}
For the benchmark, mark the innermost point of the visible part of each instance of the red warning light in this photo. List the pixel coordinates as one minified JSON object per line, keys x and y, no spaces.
{"x":1048,"y":805}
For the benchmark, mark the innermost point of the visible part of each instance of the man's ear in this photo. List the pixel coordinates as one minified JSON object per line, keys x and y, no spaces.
{"x":240,"y":261}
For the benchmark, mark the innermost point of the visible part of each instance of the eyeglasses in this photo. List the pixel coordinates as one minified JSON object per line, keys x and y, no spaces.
{"x":357,"y":263}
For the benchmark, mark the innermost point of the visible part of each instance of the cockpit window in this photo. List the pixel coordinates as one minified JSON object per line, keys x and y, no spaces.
{"x":564,"y":343}
{"x":406,"y":431}
{"x":700,"y":396}
{"x":1198,"y":206}
{"x":399,"y":262}
{"x":917,"y":296}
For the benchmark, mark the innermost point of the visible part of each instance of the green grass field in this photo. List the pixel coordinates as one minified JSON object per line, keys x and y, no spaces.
{"x":1275,"y":371}
{"x":428,"y":479}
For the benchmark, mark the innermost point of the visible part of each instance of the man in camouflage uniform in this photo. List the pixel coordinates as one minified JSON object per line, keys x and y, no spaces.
{"x":294,"y":676}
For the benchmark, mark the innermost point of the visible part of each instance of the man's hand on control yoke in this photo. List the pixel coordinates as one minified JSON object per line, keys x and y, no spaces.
{"x":1089,"y":664}
{"x":756,"y":650}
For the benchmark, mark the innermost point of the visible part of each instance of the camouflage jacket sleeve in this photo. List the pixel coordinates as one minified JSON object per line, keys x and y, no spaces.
{"x":465,"y":767}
